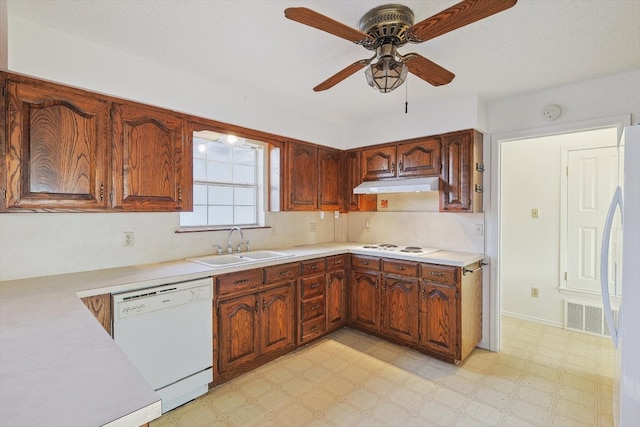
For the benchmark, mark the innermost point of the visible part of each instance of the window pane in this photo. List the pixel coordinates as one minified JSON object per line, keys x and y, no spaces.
{"x":243,"y":174}
{"x":244,"y":196}
{"x":199,"y":194}
{"x":218,"y":171}
{"x":199,"y":169}
{"x":197,"y":217}
{"x":219,"y":195}
{"x":219,"y":151}
{"x":244,"y":155}
{"x":199,"y":148}
{"x":244,"y":215}
{"x":220,"y":215}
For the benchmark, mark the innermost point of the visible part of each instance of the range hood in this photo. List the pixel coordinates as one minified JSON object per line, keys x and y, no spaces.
{"x":403,"y":185}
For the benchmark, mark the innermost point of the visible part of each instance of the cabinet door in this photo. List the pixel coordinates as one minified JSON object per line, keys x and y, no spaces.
{"x":364,"y":300}
{"x":400,"y":311}
{"x":148,"y":151}
{"x":462,"y":180}
{"x":302,"y":163}
{"x":356,"y":202}
{"x":277,"y":319}
{"x":379,"y":162}
{"x":336,"y":300}
{"x":330,"y":179}
{"x":438,"y":318}
{"x":238,"y":332}
{"x":57,"y":148}
{"x":420,"y":158}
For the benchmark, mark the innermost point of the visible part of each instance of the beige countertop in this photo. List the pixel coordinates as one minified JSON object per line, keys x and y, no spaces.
{"x":58,"y":367}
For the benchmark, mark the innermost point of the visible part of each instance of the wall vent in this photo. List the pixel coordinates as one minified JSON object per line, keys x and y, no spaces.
{"x":588,"y":318}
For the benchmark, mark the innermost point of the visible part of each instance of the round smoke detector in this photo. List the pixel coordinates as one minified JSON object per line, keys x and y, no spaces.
{"x":551,"y":112}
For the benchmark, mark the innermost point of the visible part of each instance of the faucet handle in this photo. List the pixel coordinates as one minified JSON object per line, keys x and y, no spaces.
{"x":219,"y":249}
{"x":246,"y":243}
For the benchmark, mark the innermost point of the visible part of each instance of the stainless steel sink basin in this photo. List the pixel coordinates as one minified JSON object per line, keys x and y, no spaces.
{"x":230,"y":260}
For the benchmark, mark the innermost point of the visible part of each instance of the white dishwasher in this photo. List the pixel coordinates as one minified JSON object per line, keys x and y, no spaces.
{"x":166,"y":331}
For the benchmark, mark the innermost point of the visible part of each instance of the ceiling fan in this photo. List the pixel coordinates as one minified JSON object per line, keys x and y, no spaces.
{"x":386,"y":28}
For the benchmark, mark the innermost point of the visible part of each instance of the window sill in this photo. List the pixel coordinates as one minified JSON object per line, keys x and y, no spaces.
{"x":225,"y":228}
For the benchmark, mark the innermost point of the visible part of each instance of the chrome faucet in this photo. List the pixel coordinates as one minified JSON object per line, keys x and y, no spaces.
{"x":229,"y":248}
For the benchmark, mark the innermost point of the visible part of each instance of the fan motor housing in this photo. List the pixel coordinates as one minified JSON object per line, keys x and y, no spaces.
{"x":387,"y":24}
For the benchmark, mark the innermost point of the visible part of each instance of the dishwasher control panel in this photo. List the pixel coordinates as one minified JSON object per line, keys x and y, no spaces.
{"x":145,"y":301}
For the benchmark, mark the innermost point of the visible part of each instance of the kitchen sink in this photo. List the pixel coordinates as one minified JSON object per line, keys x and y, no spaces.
{"x":230,"y":260}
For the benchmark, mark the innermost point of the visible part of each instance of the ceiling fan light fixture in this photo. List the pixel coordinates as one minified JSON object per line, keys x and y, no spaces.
{"x":388,"y":72}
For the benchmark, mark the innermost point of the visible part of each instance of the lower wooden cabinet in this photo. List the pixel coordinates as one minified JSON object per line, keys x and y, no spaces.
{"x":364,"y":300}
{"x":254,"y":326}
{"x":336,"y":312}
{"x":438,"y":314}
{"x":400,"y":308}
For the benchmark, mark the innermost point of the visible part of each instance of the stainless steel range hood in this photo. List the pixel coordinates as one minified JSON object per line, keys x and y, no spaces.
{"x":403,"y":185}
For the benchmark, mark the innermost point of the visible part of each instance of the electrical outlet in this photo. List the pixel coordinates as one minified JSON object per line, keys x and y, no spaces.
{"x":535,"y":213}
{"x":312,"y":227}
{"x":534,"y":292}
{"x":128,"y":239}
{"x":479,"y":230}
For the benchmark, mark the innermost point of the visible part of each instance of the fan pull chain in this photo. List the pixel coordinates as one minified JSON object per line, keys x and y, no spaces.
{"x":406,"y":96}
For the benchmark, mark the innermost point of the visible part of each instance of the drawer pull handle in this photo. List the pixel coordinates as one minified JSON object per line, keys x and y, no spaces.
{"x":433,"y":273}
{"x":314,"y":307}
{"x":365,"y":262}
{"x":313,"y":267}
{"x":285,"y":273}
{"x":315,"y":285}
{"x":399,"y":268}
{"x":315,"y":328}
{"x":336,"y":262}
{"x":241,"y":281}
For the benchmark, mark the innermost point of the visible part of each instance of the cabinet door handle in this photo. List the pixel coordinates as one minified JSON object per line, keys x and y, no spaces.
{"x":393,"y":166}
{"x":315,"y":285}
{"x":101,"y":191}
{"x":264,"y":305}
{"x":384,"y":288}
{"x":400,"y":166}
{"x":423,"y":294}
{"x":179,"y":193}
{"x":376,"y":284}
{"x":257,"y":306}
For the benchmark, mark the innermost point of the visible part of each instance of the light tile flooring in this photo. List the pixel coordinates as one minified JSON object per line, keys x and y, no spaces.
{"x":544,"y":376}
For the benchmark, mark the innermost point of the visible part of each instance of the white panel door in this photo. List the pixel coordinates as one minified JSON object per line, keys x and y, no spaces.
{"x":592,"y":179}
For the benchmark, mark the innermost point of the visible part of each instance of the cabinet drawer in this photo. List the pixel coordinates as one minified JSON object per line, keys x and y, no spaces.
{"x":402,"y":268}
{"x":312,"y":286}
{"x":235,"y":283}
{"x":313,"y":328}
{"x":313,"y":266}
{"x":335,"y":262}
{"x":312,"y":308}
{"x":282,"y":272}
{"x":369,"y":263}
{"x":440,"y":274}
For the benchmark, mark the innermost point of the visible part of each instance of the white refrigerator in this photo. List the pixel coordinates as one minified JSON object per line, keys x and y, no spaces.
{"x":623,"y":270}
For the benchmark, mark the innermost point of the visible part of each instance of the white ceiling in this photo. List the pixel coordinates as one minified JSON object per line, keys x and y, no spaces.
{"x":536,"y":44}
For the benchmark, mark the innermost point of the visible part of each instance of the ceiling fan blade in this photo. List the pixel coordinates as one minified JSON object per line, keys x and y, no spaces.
{"x":456,"y":16}
{"x":321,"y":22}
{"x":342,"y":74}
{"x":428,"y":71}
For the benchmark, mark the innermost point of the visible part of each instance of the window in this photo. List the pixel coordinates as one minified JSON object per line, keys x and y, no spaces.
{"x":227,"y":182}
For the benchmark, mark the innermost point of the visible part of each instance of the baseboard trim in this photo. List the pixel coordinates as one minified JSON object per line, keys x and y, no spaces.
{"x":533,"y":319}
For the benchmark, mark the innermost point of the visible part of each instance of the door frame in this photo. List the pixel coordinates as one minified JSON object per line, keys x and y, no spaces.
{"x":493,"y":208}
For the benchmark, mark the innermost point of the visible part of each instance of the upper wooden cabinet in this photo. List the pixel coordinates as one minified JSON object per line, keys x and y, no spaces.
{"x":462,"y":172}
{"x":57,"y":151}
{"x":150,"y":159}
{"x":353,"y":167}
{"x":313,"y":178}
{"x":68,"y":149}
{"x":413,"y":158}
